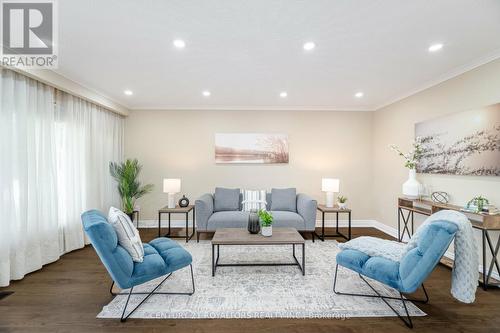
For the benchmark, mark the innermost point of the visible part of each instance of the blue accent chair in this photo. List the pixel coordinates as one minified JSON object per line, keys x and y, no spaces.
{"x":162,"y":256}
{"x":407,"y":275}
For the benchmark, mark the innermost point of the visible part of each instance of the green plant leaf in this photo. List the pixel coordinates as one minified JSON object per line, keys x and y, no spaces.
{"x":130,"y":189}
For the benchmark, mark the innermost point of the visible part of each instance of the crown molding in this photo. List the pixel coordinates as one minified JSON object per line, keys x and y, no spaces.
{"x":251,"y":108}
{"x":445,"y":77}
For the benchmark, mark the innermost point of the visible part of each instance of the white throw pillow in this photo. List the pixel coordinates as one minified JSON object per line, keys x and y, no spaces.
{"x":253,"y":200}
{"x":128,"y":235}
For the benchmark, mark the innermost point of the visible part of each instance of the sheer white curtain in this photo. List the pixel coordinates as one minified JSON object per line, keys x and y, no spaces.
{"x":54,"y":155}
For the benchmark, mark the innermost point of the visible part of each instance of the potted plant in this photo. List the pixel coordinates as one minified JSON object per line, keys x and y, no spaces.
{"x":477,"y":204}
{"x":129,"y":187}
{"x":411,"y":188}
{"x":266,"y":221}
{"x":342,"y":202}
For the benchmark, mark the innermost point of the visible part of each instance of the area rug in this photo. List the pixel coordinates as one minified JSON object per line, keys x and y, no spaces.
{"x":261,"y":292}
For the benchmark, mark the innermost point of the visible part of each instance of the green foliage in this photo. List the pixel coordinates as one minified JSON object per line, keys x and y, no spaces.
{"x":478,"y":202}
{"x":413,"y":156}
{"x":266,"y":218}
{"x":342,"y":199}
{"x":130,"y":189}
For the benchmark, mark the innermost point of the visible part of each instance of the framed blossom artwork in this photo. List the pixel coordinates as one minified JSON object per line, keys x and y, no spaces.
{"x":463,"y":143}
{"x":251,"y":148}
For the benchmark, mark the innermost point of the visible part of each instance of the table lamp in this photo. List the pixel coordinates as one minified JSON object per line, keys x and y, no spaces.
{"x":329,"y":185}
{"x":171,"y":186}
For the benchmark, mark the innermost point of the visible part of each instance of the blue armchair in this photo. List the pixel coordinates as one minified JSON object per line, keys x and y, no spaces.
{"x":407,"y":275}
{"x":162,"y":256}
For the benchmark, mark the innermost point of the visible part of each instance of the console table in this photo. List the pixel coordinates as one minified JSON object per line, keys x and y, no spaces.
{"x":485,"y":223}
{"x":177,"y":210}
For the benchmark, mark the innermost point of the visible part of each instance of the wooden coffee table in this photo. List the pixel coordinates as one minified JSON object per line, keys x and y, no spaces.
{"x":238,"y":236}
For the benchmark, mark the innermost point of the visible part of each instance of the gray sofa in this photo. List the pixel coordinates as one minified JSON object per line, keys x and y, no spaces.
{"x":301,"y":215}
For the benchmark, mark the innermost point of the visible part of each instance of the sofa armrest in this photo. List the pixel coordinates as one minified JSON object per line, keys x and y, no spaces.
{"x":204,"y":208}
{"x":306,"y":207}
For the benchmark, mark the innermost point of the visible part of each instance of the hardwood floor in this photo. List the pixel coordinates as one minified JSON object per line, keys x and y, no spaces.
{"x":65,"y":296}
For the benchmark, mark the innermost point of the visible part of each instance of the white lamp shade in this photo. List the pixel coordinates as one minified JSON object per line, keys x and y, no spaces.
{"x":330,"y":185}
{"x":171,"y":185}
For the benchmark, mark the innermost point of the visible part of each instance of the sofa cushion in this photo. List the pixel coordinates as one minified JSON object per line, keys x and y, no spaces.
{"x":226,"y":199}
{"x":233,"y":219}
{"x":284,"y":199}
{"x":288,"y":219}
{"x":253,"y":200}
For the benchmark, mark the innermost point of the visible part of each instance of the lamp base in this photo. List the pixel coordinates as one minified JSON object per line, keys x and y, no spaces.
{"x":171,"y":200}
{"x":329,"y":199}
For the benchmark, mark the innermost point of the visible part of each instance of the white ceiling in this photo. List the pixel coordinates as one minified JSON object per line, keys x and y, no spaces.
{"x":247,"y":52}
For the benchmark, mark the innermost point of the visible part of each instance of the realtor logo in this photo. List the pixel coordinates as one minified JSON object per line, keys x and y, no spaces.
{"x":29,"y":34}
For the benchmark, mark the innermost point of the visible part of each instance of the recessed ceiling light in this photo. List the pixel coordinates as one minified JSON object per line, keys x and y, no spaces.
{"x":359,"y":94}
{"x":128,"y":92}
{"x":206,"y":93}
{"x":309,"y":46}
{"x":179,"y":43}
{"x":435,"y":47}
{"x":283,"y":94}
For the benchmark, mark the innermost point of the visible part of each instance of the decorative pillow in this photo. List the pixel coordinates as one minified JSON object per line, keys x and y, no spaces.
{"x":128,"y":236}
{"x":254,"y":200}
{"x":284,"y":199}
{"x":226,"y":199}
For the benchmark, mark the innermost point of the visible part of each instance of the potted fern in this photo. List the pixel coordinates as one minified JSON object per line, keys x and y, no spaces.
{"x":266,"y":221}
{"x":126,"y":175}
{"x":342,"y":202}
{"x":477,"y":204}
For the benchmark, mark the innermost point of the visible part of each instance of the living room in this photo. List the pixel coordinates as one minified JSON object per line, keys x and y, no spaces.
{"x":236,"y":166}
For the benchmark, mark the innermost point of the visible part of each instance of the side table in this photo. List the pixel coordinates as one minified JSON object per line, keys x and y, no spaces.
{"x":323,"y":209}
{"x":177,"y":210}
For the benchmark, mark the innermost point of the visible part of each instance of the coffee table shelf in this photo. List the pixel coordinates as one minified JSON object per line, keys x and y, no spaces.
{"x":238,"y":236}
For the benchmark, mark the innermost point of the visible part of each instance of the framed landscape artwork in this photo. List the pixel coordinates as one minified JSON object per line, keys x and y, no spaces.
{"x":251,"y":148}
{"x":464,"y":143}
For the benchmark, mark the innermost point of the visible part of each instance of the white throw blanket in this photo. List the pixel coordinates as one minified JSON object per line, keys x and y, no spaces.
{"x":464,"y":279}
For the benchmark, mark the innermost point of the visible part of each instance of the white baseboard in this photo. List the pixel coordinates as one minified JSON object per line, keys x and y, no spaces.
{"x":393,"y":232}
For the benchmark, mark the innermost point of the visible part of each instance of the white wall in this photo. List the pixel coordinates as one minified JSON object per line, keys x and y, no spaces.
{"x":180,"y":144}
{"x":395,"y":124}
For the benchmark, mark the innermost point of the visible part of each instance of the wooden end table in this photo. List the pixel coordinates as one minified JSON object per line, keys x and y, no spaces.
{"x":239,"y":236}
{"x":177,"y":210}
{"x":324,"y":210}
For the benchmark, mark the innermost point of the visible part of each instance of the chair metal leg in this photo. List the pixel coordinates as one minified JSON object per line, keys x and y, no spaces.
{"x":401,"y":298}
{"x":148,"y":294}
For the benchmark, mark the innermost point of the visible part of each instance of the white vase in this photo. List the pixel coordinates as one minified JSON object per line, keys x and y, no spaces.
{"x":267,"y":231}
{"x":342,"y":205}
{"x":411,"y":187}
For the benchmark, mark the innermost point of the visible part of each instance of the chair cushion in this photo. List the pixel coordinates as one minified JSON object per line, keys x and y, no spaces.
{"x":161,"y":256}
{"x":128,"y":236}
{"x":226,"y":199}
{"x":174,"y":255}
{"x":284,"y":199}
{"x":378,"y":268}
{"x":415,"y":266}
{"x":288,"y":219}
{"x":233,"y":219}
{"x":151,"y":267}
